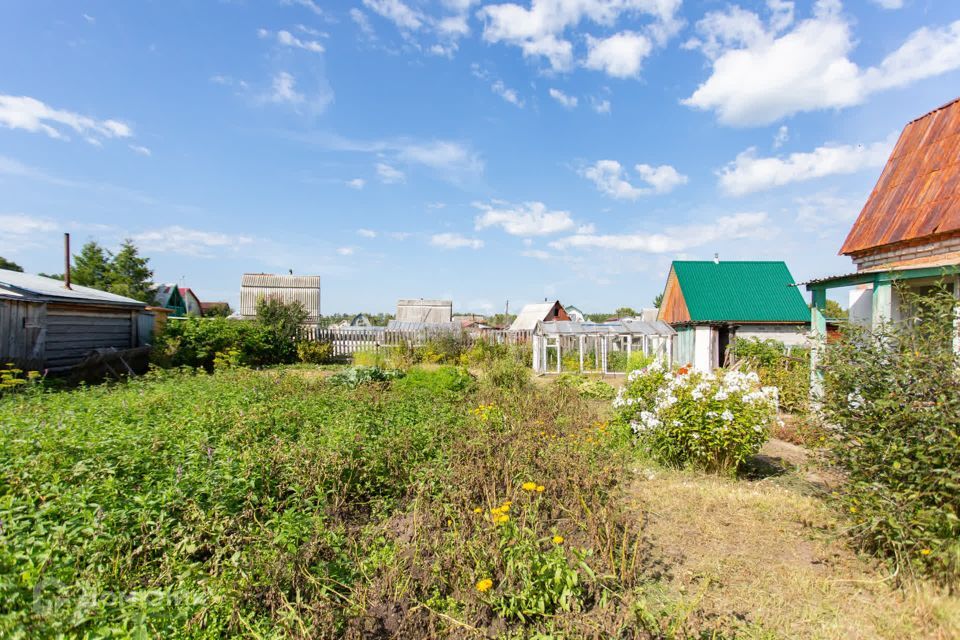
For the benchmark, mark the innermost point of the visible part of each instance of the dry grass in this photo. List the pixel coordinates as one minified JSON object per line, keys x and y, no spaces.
{"x":766,"y":559}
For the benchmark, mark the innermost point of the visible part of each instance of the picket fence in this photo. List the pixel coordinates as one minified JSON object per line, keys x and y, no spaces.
{"x":346,"y":342}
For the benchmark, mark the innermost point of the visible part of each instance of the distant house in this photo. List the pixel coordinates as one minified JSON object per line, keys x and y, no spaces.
{"x":422,"y":310}
{"x":169,"y":297}
{"x":360,"y":320}
{"x":531,"y":314}
{"x":909,"y":229}
{"x":287,"y":288}
{"x":575,"y":314}
{"x":710,"y":303}
{"x":181,"y":301}
{"x":45,"y":325}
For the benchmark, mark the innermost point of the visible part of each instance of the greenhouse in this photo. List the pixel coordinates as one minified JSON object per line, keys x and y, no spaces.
{"x":605,"y":348}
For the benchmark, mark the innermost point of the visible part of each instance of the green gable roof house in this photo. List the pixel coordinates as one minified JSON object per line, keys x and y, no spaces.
{"x":710,"y":303}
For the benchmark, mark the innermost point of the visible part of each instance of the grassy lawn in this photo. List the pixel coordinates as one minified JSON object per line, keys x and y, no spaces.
{"x":282,"y":503}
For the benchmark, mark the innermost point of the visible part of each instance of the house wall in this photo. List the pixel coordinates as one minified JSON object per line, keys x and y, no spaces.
{"x":430,"y":311}
{"x":790,"y":335}
{"x":907,"y":251}
{"x":22,"y":333}
{"x":75,"y":330}
{"x":309,"y":298}
{"x":673,"y":308}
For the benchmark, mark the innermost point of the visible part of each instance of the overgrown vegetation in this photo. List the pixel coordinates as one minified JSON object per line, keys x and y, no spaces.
{"x":893,"y":395}
{"x":264,"y":503}
{"x":269,"y":339}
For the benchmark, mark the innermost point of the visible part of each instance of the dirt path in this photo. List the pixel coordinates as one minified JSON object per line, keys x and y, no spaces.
{"x":766,"y":559}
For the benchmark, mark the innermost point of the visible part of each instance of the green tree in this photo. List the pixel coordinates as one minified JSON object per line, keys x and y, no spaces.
{"x":91,"y":268}
{"x":130,"y":274}
{"x":658,"y":300}
{"x":284,"y":318}
{"x":834,"y":311}
{"x":625,"y":312}
{"x":10,"y":265}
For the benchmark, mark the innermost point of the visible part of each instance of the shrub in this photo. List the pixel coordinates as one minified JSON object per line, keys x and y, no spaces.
{"x":508,"y":373}
{"x":356,"y":376}
{"x":195,"y":342}
{"x":313,"y":352}
{"x":789,"y":373}
{"x":441,"y":349}
{"x":704,"y":421}
{"x":587,"y":387}
{"x":892,"y":396}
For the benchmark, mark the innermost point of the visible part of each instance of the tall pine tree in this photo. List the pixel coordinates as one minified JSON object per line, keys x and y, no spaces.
{"x":130,"y":274}
{"x":91,"y":268}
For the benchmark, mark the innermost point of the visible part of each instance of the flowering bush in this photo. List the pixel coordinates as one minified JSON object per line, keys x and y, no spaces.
{"x":702,"y":420}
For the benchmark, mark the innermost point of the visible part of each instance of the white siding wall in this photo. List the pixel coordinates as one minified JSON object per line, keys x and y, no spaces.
{"x":790,"y":335}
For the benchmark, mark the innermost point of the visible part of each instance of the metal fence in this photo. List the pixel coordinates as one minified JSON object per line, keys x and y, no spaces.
{"x":346,"y":342}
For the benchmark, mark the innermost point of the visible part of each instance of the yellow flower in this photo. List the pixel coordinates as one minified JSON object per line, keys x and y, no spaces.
{"x":540,"y":488}
{"x":478,"y":510}
{"x":557,"y":539}
{"x":853,"y":509}
{"x":501,"y":518}
{"x":529,"y":486}
{"x":485,"y":585}
{"x":925,"y":552}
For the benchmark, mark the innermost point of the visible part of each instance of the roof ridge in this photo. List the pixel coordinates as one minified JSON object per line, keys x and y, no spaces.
{"x":933,"y":111}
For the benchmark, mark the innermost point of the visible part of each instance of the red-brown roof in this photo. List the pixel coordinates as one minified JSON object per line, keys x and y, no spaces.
{"x":918,"y":193}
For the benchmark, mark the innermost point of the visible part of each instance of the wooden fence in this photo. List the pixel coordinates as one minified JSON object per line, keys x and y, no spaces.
{"x":346,"y":342}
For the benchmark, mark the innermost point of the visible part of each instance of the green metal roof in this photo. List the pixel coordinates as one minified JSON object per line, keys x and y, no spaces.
{"x":740,"y":291}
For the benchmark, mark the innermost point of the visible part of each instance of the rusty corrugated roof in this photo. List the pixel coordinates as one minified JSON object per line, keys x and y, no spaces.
{"x":918,"y":193}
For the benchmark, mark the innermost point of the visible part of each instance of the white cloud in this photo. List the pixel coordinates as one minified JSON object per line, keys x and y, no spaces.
{"x":345,"y":251}
{"x":600,"y":105}
{"x":783,"y":134}
{"x":568,"y":102}
{"x":21,"y":224}
{"x":525,"y":219}
{"x":822,"y":211}
{"x":445,"y":156}
{"x":674,"y":239}
{"x":356,"y":183}
{"x":389,"y":174}
{"x":620,"y":55}
{"x":361,"y":20}
{"x":663,"y":179}
{"x":30,"y":114}
{"x":454,"y":241}
{"x":287,"y":39}
{"x":539,"y":30}
{"x":284,"y":90}
{"x":89,"y":18}
{"x":760,"y":74}
{"x":193,"y":242}
{"x":611,"y":178}
{"x":889,"y":4}
{"x":307,"y":4}
{"x":367,"y":233}
{"x":508,"y":94}
{"x":749,"y":173}
{"x":397,"y":12}
{"x":144,"y":151}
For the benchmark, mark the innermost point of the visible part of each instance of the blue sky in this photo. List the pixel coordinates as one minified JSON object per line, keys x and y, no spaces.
{"x":483,"y":151}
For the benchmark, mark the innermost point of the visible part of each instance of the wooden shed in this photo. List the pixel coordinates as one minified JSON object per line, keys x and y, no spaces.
{"x":711,"y":303}
{"x":46,"y":326}
{"x":423,"y":310}
{"x":288,"y":288}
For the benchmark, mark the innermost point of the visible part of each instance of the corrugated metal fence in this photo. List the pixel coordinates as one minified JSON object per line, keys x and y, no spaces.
{"x":345,"y":342}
